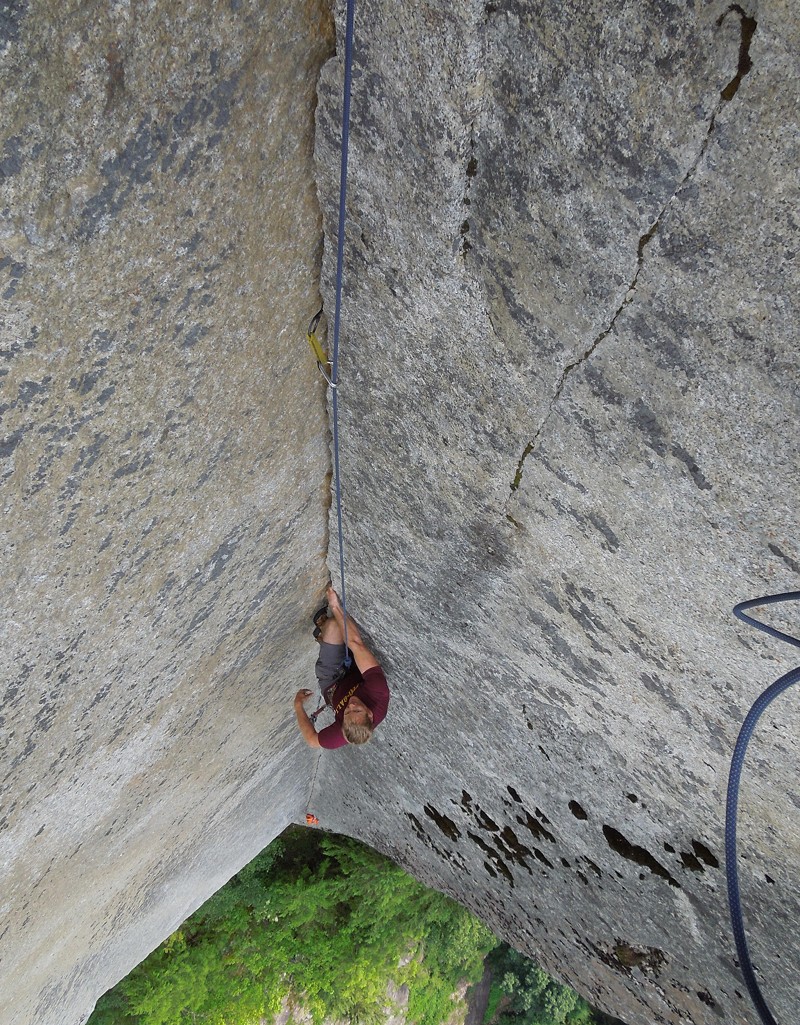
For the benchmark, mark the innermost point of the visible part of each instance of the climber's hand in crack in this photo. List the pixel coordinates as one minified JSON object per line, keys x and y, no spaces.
{"x":362,"y":656}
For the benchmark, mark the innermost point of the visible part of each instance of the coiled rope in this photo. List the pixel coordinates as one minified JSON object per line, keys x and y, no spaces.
{"x":731,"y":871}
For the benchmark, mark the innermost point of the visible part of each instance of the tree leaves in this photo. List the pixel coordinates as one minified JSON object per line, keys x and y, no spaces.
{"x":320,"y":919}
{"x":533,"y":997}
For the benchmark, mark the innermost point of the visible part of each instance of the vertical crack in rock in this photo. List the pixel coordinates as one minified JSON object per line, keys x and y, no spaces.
{"x":474,"y":109}
{"x":474,"y":114}
{"x":471,"y":171}
{"x":744,"y":66}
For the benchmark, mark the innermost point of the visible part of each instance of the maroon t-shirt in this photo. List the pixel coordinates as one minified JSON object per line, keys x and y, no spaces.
{"x":371,"y":688}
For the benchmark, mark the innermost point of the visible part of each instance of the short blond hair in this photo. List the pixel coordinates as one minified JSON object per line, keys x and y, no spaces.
{"x":357,"y":732}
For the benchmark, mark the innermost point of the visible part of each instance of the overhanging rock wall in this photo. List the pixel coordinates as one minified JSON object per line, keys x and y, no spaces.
{"x":164,"y":469}
{"x":569,"y":404}
{"x":569,"y":385}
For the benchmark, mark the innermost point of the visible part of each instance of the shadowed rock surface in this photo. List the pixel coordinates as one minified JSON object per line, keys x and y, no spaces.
{"x":164,"y":472}
{"x":569,"y":404}
{"x":569,"y":397}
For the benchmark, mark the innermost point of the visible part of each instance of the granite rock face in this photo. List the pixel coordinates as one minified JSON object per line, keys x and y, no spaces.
{"x":569,"y":393}
{"x":569,"y":400}
{"x":164,"y":469}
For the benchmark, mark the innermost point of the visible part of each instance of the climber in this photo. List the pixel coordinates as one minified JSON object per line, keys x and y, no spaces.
{"x":358,"y":695}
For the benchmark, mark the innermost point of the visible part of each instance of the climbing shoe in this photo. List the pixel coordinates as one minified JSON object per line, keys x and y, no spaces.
{"x":319,"y":617}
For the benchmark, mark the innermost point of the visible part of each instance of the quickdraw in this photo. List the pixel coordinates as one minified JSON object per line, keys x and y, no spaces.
{"x":319,"y":352}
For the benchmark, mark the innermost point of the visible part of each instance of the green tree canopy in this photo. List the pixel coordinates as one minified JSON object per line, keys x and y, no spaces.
{"x":531,"y":996}
{"x":325,"y":922}
{"x":320,"y":919}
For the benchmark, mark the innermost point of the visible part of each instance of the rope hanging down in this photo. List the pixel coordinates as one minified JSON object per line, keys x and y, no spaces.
{"x":333,"y":380}
{"x":731,"y":871}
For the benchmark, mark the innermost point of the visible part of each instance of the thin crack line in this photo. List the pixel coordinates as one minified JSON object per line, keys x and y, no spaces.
{"x":474,"y":109}
{"x":643,"y":242}
{"x":748,"y":27}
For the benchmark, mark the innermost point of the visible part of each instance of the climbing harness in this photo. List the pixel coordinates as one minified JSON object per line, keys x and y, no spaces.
{"x":731,"y":871}
{"x":325,"y":699}
{"x":332,"y":375}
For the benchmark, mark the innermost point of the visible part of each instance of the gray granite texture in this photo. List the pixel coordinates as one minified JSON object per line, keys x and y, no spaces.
{"x":569,"y":407}
{"x":164,"y":472}
{"x":569,"y":403}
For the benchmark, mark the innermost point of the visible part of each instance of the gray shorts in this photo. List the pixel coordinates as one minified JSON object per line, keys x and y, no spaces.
{"x":329,"y":664}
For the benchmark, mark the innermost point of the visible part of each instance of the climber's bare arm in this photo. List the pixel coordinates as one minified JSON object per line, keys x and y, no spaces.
{"x":364,"y":658}
{"x":305,"y":724}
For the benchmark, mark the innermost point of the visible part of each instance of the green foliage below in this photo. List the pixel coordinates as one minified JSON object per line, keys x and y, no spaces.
{"x":319,"y":919}
{"x":525,"y":995}
{"x":325,"y":921}
{"x":496,"y":995}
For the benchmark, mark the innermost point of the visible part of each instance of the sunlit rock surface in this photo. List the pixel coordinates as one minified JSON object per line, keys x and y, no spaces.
{"x":569,"y":426}
{"x":164,"y":461}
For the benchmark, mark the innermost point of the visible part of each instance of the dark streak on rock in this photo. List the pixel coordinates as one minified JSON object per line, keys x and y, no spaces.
{"x":541,"y":857}
{"x":446,"y":855}
{"x":115,"y":82}
{"x":537,"y":830}
{"x":495,"y":858}
{"x":745,"y":65}
{"x":9,"y":444}
{"x":793,"y":566}
{"x":471,"y":171}
{"x":517,"y":850}
{"x":680,"y":453}
{"x":445,"y":824}
{"x":485,"y":822}
{"x":705,"y":854}
{"x":11,"y":13}
{"x":612,"y":541}
{"x":632,"y":852}
{"x":690,"y":861}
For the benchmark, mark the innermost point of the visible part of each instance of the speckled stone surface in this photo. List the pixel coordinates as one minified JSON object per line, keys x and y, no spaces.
{"x":163,"y":480}
{"x":569,"y":396}
{"x":569,"y":410}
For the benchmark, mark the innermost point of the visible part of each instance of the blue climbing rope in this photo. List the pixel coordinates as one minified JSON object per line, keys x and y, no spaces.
{"x":334,"y":380}
{"x":731,"y":870}
{"x":771,"y":599}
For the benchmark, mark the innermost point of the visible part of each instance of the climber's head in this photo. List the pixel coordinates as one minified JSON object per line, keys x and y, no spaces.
{"x":357,"y":722}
